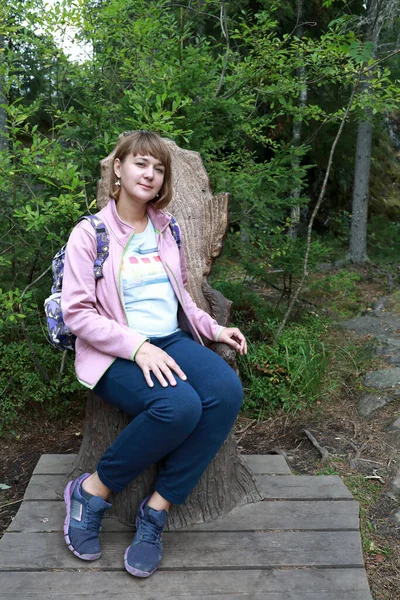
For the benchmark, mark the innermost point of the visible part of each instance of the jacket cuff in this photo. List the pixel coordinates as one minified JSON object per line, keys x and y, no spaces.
{"x":219,"y":333}
{"x":137,"y":348}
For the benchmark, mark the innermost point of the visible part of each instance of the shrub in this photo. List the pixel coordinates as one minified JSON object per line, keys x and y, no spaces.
{"x":23,"y":390}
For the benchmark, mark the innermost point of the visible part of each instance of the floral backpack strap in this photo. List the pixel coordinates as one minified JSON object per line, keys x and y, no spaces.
{"x":176,"y":232}
{"x":103,"y":243}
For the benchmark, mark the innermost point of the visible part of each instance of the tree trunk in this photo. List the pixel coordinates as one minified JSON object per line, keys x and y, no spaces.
{"x":359,"y":217}
{"x":227,"y":482}
{"x":298,"y":124}
{"x":3,"y":100}
{"x":377,"y":12}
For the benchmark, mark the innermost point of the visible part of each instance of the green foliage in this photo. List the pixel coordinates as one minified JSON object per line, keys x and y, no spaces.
{"x":340,"y":289}
{"x":169,"y":68}
{"x":44,"y":176}
{"x":10,"y":301}
{"x":285,"y":255}
{"x":23,"y":391}
{"x":309,"y":363}
{"x":251,"y":312}
{"x":290,"y":375}
{"x":385,"y":246}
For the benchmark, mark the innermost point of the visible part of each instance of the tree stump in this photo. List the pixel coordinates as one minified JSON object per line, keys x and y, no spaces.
{"x":227,"y":482}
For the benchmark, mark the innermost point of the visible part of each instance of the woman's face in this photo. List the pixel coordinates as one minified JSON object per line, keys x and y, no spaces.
{"x":141,"y":177}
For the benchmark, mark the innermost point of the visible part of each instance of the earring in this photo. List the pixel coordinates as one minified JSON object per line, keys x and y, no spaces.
{"x":118,"y":182}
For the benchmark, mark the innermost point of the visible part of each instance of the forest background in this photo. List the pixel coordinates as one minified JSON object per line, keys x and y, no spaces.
{"x":265,"y":91}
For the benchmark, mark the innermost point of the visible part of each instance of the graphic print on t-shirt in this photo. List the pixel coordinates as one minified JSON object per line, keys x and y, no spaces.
{"x":150,"y":303}
{"x":144,"y":268}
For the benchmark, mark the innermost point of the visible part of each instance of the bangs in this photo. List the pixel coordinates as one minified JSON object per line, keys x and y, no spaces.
{"x":148,"y":147}
{"x":145,"y":143}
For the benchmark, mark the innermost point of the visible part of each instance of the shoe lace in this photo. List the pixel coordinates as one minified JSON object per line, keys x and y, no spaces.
{"x":150,"y":532}
{"x":93,"y":519}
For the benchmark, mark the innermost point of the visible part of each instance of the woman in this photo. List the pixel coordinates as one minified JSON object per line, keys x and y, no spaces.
{"x":130,"y":349}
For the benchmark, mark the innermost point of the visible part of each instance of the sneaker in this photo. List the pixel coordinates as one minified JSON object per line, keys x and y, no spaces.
{"x":143,"y":556}
{"x":82,"y":524}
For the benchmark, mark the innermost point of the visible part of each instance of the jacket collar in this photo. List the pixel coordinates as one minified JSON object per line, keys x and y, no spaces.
{"x":159,"y":218}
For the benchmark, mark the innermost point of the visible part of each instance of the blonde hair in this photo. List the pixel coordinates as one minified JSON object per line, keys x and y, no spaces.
{"x":145,"y":143}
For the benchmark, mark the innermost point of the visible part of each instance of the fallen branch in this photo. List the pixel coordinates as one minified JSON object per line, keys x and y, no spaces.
{"x":10,"y":503}
{"x":245,"y":429}
{"x":323,"y":451}
{"x":280,"y":452}
{"x":358,"y":451}
{"x":377,"y":477}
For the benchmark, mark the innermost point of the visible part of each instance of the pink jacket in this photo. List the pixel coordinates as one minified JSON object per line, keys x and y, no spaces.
{"x":95,"y":312}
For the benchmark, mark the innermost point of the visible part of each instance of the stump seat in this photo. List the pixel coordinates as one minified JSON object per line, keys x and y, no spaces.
{"x":203,"y":220}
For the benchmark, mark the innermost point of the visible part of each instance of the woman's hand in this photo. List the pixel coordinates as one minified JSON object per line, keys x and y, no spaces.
{"x":235,"y":338}
{"x":153,"y":359}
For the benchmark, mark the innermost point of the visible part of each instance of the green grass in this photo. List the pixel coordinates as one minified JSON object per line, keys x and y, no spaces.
{"x":311,"y":361}
{"x":368,"y":494}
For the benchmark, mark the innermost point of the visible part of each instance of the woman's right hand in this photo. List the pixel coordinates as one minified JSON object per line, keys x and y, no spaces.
{"x":153,"y":359}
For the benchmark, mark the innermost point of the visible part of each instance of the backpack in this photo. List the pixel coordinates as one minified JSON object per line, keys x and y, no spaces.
{"x":59,"y":334}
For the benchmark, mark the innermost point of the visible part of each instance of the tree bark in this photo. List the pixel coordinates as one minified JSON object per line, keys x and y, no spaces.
{"x":298,"y":124}
{"x":377,"y":13}
{"x":359,"y":217}
{"x":227,"y":482}
{"x":3,"y":100}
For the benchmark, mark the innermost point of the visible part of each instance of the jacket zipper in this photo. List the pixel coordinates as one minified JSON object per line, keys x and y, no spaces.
{"x":176,"y":281}
{"x":119,"y":278}
{"x":182,"y":304}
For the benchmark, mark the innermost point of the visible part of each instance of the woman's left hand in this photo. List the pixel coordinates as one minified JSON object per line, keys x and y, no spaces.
{"x":235,"y":338}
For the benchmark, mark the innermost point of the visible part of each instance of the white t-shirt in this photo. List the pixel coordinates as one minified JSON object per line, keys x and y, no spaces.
{"x":150,"y":301}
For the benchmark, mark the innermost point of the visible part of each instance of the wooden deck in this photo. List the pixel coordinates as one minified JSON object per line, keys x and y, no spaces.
{"x":301,"y":543}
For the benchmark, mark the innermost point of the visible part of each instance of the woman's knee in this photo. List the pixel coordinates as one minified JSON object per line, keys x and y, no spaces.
{"x":181,"y":410}
{"x":230,"y":394}
{"x":235,"y":391}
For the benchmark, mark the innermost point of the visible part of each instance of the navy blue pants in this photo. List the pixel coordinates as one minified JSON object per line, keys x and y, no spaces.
{"x":182,"y":426}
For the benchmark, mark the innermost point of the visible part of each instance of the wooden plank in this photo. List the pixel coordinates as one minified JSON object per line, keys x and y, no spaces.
{"x":267,"y":464}
{"x":302,"y":584}
{"x":284,"y":487}
{"x":288,"y":515}
{"x":46,"y":516}
{"x":304,"y":487}
{"x":194,"y":550}
{"x":46,"y":487}
{"x":54,"y":464}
